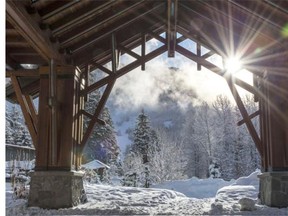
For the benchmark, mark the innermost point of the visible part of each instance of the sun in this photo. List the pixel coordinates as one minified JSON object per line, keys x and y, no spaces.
{"x":233,"y":64}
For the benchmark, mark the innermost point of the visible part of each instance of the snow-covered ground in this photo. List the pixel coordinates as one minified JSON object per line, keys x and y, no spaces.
{"x":201,"y":198}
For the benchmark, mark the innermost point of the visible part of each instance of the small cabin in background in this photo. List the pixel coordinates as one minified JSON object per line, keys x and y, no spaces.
{"x":97,"y":166}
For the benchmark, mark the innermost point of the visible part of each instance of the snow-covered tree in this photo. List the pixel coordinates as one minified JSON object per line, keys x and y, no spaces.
{"x":142,"y":137}
{"x":169,"y":161}
{"x":225,"y":132}
{"x":102,"y":144}
{"x":16,"y":131}
{"x":214,"y":169}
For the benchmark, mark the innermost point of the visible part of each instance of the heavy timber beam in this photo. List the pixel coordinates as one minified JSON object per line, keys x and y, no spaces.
{"x":23,"y":73}
{"x":172,"y":7}
{"x":215,"y":69}
{"x":253,"y":115}
{"x":17,"y":15}
{"x":125,"y":70}
{"x":245,"y":116}
{"x":25,"y":110}
{"x":98,"y":110}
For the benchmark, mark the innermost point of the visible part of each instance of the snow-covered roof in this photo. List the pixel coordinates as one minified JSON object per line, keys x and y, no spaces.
{"x":95,"y":164}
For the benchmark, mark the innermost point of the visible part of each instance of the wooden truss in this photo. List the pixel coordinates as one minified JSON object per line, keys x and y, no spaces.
{"x":112,"y":75}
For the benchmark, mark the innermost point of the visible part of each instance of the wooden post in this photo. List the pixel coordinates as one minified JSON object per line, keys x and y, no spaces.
{"x":62,"y":150}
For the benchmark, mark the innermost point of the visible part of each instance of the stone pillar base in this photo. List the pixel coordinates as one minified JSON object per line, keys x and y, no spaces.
{"x":56,"y":189}
{"x":274,"y":189}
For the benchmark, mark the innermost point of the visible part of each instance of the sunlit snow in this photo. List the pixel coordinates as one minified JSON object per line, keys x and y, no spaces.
{"x":117,"y":200}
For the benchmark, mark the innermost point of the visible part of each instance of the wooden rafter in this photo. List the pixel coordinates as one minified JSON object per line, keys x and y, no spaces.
{"x":92,"y":26}
{"x":81,"y":15}
{"x":113,"y":27}
{"x":21,"y":20}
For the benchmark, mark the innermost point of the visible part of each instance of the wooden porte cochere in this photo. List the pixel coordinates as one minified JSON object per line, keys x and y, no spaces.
{"x":53,"y":46}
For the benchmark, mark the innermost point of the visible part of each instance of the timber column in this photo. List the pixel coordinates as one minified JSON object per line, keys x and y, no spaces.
{"x":274,"y":135}
{"x":55,"y":182}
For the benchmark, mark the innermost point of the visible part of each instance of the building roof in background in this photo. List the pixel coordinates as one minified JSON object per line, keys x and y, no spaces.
{"x":95,"y":164}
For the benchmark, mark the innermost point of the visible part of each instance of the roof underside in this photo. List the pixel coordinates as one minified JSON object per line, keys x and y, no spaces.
{"x":79,"y":33}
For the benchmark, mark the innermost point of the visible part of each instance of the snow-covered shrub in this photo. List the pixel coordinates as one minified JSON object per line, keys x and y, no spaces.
{"x":130,"y":180}
{"x":91,"y":176}
{"x":214,"y":169}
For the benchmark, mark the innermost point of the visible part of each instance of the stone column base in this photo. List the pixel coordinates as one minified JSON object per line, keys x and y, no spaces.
{"x":274,"y":189}
{"x":56,"y":189}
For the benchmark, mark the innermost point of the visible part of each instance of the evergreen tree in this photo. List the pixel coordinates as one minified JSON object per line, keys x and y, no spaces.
{"x":102,"y":144}
{"x":145,"y":144}
{"x":142,"y":137}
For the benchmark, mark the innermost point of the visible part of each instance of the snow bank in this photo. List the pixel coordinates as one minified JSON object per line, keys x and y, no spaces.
{"x":116,"y":200}
{"x":227,"y":198}
{"x":196,"y":188}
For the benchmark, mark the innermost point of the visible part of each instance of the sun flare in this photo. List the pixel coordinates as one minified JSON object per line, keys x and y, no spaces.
{"x":233,"y":64}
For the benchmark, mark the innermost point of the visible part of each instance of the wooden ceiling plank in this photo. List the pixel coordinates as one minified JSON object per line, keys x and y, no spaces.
{"x":102,"y":21}
{"x":224,"y":29}
{"x":114,"y":26}
{"x":55,"y":8}
{"x":81,"y":16}
{"x":21,"y":20}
